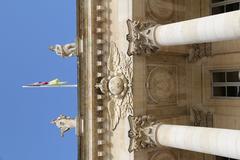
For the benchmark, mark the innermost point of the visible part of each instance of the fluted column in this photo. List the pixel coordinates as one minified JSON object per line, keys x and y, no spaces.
{"x":201,"y":30}
{"x":146,"y":132}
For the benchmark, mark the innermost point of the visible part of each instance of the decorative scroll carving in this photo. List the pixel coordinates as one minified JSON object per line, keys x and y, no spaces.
{"x":202,"y":116}
{"x":64,"y":123}
{"x":137,"y":38}
{"x":142,"y":132}
{"x":67,"y":50}
{"x":117,"y":86}
{"x":162,"y":84}
{"x":199,"y":51}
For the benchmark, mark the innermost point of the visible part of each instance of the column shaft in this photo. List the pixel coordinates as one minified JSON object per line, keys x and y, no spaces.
{"x":201,"y":30}
{"x":222,"y":142}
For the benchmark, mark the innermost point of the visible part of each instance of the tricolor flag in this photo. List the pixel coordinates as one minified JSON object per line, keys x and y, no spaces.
{"x":53,"y":83}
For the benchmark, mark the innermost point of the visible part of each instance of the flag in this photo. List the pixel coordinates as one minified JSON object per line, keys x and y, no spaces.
{"x":53,"y":83}
{"x":56,"y":82}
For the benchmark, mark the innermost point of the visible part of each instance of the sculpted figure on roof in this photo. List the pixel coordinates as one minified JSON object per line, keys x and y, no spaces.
{"x":64,"y":123}
{"x":66,"y":50}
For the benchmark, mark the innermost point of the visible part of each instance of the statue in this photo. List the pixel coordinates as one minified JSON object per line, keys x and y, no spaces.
{"x":64,"y":123}
{"x":67,"y":50}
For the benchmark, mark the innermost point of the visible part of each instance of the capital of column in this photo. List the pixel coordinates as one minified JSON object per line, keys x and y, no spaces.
{"x":146,"y":132}
{"x":141,"y":38}
{"x":198,"y":51}
{"x":142,"y":132}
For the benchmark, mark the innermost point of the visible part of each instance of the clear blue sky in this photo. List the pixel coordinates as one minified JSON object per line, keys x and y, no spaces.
{"x":27,"y":28}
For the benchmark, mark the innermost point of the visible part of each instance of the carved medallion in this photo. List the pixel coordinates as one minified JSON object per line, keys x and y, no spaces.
{"x":117,"y":85}
{"x":162,"y":84}
{"x":114,"y":85}
{"x":160,"y":10}
{"x":163,"y":155}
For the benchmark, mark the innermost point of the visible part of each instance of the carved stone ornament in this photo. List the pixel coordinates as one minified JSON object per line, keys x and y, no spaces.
{"x":161,"y":84}
{"x":160,"y":10}
{"x":202,"y":116}
{"x":64,"y":123}
{"x":164,"y":155}
{"x":198,"y":51}
{"x":67,"y":50}
{"x":138,"y":41}
{"x":142,"y":132}
{"x":117,"y":85}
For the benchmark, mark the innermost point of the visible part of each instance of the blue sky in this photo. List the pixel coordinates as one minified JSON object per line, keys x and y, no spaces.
{"x":27,"y":28}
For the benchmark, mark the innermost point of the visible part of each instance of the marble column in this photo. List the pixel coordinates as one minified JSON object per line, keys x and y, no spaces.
{"x":221,"y":142}
{"x":146,"y":133}
{"x":214,"y":28}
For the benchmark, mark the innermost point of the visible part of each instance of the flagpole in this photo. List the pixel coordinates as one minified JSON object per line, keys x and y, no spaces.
{"x":52,"y":86}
